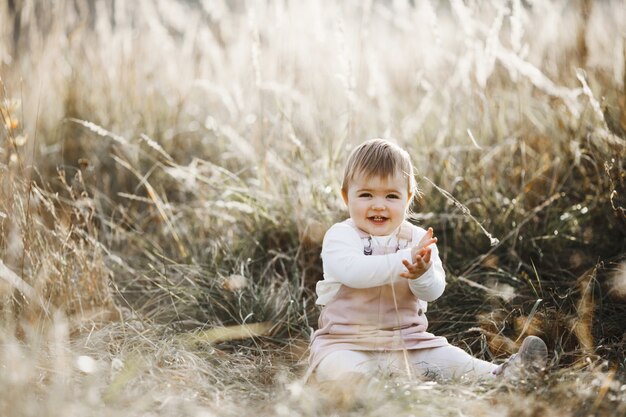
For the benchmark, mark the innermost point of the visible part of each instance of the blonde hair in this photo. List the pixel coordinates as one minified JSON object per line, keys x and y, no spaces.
{"x":380,"y":158}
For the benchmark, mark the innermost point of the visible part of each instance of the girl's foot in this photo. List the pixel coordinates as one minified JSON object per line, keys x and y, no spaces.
{"x":530,"y":359}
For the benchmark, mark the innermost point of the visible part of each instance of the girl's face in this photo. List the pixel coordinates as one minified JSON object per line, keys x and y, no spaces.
{"x":377,"y":205}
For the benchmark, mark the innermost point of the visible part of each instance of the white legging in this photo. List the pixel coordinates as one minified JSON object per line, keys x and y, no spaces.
{"x":446,"y":361}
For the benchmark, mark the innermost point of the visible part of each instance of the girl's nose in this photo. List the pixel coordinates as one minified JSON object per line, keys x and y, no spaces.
{"x":378,"y":205}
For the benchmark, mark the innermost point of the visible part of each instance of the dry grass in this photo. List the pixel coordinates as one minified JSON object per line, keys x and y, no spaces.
{"x":169,"y":169}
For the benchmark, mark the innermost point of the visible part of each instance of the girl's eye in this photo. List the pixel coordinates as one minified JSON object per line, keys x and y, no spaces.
{"x":365,"y":195}
{"x":393,"y":196}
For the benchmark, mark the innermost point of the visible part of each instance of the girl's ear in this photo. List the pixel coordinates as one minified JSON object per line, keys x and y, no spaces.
{"x":344,"y":195}
{"x":408,"y":203}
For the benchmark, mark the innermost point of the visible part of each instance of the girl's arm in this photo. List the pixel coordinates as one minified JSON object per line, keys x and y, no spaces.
{"x":345,"y":262}
{"x":431,"y":284}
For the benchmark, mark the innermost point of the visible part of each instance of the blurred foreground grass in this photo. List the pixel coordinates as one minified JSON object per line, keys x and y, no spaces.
{"x":169,"y":170}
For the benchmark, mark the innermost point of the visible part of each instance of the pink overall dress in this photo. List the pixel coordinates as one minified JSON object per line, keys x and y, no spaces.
{"x":384,"y":318}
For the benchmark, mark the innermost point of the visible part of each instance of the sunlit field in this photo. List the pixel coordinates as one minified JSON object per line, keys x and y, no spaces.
{"x":169,"y":169}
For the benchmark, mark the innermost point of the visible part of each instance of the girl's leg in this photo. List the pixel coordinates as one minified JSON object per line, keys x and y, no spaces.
{"x":343,"y":364}
{"x":451,"y":362}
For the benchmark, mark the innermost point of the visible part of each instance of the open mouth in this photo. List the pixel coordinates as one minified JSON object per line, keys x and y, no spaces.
{"x":378,"y":219}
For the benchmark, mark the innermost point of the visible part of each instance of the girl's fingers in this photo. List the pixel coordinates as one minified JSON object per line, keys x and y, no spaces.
{"x":409,"y":266}
{"x":427,"y":243}
{"x":420,"y":266}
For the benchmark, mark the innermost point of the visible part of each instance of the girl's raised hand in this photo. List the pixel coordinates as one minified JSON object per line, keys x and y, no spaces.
{"x":421,"y":265}
{"x":426,"y":240}
{"x":420,"y":254}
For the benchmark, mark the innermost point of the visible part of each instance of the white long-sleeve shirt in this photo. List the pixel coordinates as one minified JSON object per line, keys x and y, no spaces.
{"x":345,"y":263}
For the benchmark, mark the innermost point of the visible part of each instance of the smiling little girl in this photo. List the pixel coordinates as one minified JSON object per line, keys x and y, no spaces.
{"x":380,"y":271}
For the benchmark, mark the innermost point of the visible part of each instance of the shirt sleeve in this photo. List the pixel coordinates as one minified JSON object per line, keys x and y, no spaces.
{"x":345,"y":262}
{"x":431,"y":284}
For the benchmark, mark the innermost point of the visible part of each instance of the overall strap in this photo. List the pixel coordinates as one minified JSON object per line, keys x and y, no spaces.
{"x":365,"y":237}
